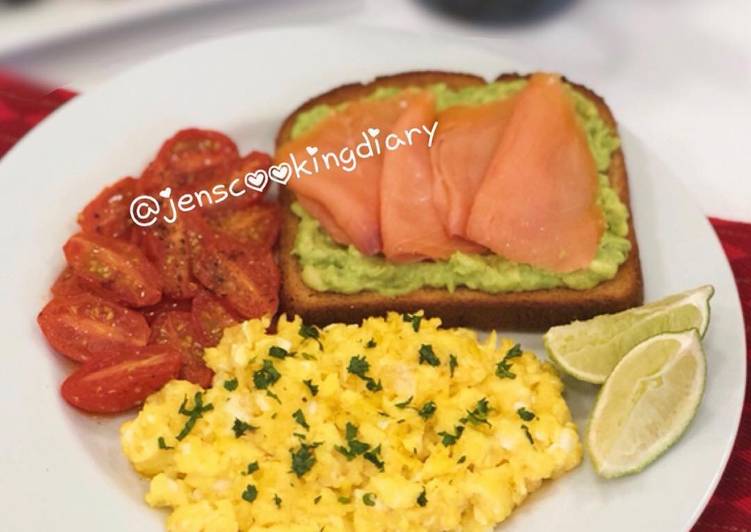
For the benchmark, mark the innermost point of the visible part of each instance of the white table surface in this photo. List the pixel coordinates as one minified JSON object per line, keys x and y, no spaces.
{"x":676,"y":72}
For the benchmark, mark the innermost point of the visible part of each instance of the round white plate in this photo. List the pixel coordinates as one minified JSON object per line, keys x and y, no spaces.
{"x":64,"y":471}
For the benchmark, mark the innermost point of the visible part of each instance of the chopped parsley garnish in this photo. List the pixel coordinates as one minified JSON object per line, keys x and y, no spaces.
{"x":303,"y":459}
{"x":310,"y":332}
{"x":414,"y":319}
{"x":359,"y":366}
{"x":298,"y":416}
{"x":448,"y":439}
{"x":344,"y":500}
{"x":278,"y":352}
{"x":503,"y":368}
{"x":528,"y":434}
{"x":374,"y":457}
{"x":525,"y":414}
{"x":356,"y":448}
{"x":367,"y":499}
{"x":250,"y":493}
{"x":240,"y":427}
{"x":427,"y":410}
{"x":193,"y":413}
{"x":252,"y":468}
{"x":163,"y":444}
{"x":266,"y":376}
{"x":371,"y":344}
{"x":312,"y":387}
{"x":277,"y":500}
{"x":422,"y":499}
{"x":461,"y":460}
{"x":273,"y":396}
{"x":453,"y":364}
{"x":230,"y":385}
{"x":478,"y":415}
{"x":405,"y":403}
{"x":427,"y":356}
{"x":308,"y":356}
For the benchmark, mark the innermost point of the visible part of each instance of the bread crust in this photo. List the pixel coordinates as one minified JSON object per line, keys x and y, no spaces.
{"x":530,"y":310}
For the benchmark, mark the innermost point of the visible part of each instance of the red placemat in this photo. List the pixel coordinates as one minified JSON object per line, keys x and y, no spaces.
{"x":24,"y":104}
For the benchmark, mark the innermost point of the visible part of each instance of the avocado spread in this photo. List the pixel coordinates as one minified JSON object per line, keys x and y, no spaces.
{"x":329,"y":266}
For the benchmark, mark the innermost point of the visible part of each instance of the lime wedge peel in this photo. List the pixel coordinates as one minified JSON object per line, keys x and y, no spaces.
{"x":647,"y":403}
{"x":589,"y":350}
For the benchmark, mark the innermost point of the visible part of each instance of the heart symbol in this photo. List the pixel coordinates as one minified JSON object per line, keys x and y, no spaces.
{"x":373,"y":131}
{"x":312,"y":150}
{"x":256,"y":180}
{"x":166,"y":192}
{"x":280,"y":173}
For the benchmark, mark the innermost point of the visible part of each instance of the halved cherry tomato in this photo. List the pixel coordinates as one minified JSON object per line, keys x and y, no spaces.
{"x":165,"y":305}
{"x":167,"y":247}
{"x":184,"y":158}
{"x":66,"y":284}
{"x":225,"y":188}
{"x":120,"y":382}
{"x":85,"y":327}
{"x":210,"y":318}
{"x":108,"y":214}
{"x":69,"y":284}
{"x":256,"y":226}
{"x":247,"y":280}
{"x":113,"y":267}
{"x":175,"y":328}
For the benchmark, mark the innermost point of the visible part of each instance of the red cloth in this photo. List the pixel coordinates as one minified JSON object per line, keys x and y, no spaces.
{"x":24,"y":104}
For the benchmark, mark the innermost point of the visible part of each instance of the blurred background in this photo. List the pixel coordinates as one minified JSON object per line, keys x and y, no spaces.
{"x":677,"y":72}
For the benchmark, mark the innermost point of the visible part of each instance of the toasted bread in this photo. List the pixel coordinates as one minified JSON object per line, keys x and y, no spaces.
{"x":529,"y":310}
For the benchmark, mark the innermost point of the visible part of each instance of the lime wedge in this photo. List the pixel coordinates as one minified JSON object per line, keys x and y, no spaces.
{"x":589,"y":350}
{"x":646,"y":403}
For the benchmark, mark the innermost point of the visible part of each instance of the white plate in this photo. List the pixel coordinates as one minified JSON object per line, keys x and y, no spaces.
{"x":64,"y":471}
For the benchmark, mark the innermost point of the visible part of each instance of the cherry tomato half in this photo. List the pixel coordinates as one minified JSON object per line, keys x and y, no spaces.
{"x":167,"y":247}
{"x":123,"y":381}
{"x":175,"y":328}
{"x":210,"y":318}
{"x":113,"y":267}
{"x":84,"y":327}
{"x":66,"y":284}
{"x":247,"y":280}
{"x":165,"y":305}
{"x":108,"y":214}
{"x":225,"y":188}
{"x":186,"y":157}
{"x":256,"y":226}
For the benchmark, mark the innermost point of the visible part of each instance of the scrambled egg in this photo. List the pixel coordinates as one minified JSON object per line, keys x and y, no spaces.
{"x":396,"y":424}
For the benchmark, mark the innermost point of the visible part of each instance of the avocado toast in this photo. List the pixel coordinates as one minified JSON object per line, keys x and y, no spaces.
{"x":518,"y":307}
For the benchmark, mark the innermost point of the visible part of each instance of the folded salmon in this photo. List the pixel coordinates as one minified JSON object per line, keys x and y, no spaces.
{"x":346,"y":203}
{"x":537,"y":201}
{"x":410,"y":224}
{"x":466,"y":139}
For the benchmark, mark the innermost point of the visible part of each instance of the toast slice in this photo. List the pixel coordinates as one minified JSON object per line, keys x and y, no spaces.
{"x":530,"y":310}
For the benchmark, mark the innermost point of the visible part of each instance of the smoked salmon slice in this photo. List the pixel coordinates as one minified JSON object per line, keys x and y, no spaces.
{"x":466,"y":139}
{"x":410,"y":224}
{"x":346,"y":203}
{"x":537,"y":201}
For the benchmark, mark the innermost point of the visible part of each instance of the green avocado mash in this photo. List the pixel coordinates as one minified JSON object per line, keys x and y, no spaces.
{"x":328,"y":266}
